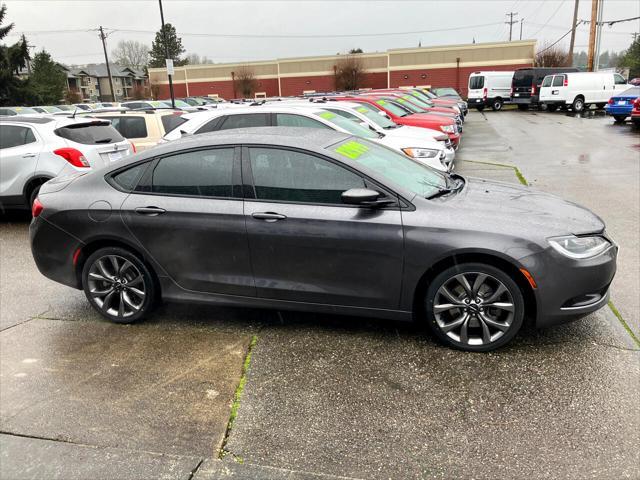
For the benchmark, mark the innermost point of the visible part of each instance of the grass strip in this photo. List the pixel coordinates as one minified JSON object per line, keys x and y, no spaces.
{"x":235,"y":406}
{"x":624,"y":324}
{"x":517,"y":171}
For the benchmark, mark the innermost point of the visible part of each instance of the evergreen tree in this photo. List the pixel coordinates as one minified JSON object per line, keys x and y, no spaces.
{"x":158,"y":52}
{"x":631,"y":59}
{"x":47,"y":79}
{"x":13,"y":91}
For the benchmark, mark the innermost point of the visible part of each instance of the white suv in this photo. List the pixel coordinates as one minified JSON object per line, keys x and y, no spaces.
{"x":428,"y":151}
{"x":36,"y":149}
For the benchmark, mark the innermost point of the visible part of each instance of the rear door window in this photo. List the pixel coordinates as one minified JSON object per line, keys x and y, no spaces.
{"x":476,"y":83}
{"x":547,"y":81}
{"x":558,"y":80}
{"x":245,"y":121}
{"x":94,"y":133}
{"x":201,"y":173}
{"x":129,"y":126}
{"x":171,"y":122}
{"x":15,"y":136}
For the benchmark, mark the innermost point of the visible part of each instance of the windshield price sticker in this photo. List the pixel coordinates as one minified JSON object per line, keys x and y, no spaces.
{"x":362,"y":110}
{"x":327,"y":115}
{"x":352,"y":149}
{"x":381,"y":102}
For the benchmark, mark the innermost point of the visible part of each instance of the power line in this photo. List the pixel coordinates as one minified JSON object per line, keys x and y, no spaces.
{"x":557,"y":41}
{"x":549,"y":19}
{"x":612,"y":22}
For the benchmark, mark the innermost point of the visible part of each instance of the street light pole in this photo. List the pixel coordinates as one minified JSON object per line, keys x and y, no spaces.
{"x":166,"y":54}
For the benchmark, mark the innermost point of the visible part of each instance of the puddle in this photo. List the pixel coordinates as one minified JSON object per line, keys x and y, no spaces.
{"x":587,"y":114}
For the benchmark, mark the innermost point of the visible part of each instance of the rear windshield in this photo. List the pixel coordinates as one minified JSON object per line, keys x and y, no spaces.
{"x":93,"y":133}
{"x":476,"y":83}
{"x":523,"y":78}
{"x":171,"y":122}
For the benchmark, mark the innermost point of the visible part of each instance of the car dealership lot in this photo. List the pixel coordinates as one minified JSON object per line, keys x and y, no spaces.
{"x":330,"y":395}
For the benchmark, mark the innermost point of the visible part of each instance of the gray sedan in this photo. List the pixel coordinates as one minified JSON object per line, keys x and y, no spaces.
{"x":321,"y":221}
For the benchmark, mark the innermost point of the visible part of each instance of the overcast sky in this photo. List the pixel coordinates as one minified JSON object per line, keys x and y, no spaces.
{"x":61,"y":26}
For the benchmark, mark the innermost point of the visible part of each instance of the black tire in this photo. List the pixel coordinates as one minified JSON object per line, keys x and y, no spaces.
{"x":496,"y":104}
{"x":578,"y":105}
{"x":33,"y":195}
{"x":523,"y":108}
{"x":147,"y":285}
{"x":552,"y":108}
{"x":619,"y":118}
{"x":480,"y":108}
{"x":511,"y":320}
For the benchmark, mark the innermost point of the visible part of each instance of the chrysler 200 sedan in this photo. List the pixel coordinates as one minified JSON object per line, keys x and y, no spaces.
{"x":321,"y":221}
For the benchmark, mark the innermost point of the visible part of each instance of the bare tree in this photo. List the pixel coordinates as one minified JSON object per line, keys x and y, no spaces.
{"x":349,"y":73}
{"x":195,"y":59}
{"x":155,"y":91}
{"x":245,"y":82}
{"x":131,"y":53}
{"x":551,"y":56}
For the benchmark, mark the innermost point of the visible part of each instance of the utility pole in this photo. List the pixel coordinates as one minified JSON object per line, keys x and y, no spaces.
{"x":106,"y":59}
{"x":511,"y":22}
{"x":521,"y":22}
{"x":166,"y":53}
{"x":592,"y":35}
{"x":596,"y":56}
{"x":574,"y":25}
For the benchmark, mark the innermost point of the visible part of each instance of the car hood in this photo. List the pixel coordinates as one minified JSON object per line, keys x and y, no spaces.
{"x":524,"y":209}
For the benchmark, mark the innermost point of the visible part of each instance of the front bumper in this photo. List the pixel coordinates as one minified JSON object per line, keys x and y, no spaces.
{"x":569,"y":289}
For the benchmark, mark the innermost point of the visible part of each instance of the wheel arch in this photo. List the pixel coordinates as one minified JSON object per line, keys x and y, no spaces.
{"x":509,"y":266}
{"x":31,"y":184}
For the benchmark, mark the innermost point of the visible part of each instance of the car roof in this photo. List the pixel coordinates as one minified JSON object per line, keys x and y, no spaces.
{"x":51,"y":121}
{"x":21,"y":119}
{"x":262,"y":108}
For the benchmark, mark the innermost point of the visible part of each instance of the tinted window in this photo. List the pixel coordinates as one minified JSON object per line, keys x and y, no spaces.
{"x":523,"y":78}
{"x":283,"y":175}
{"x":619,"y":79}
{"x":170,"y":122}
{"x":6,"y":111}
{"x":547,"y":81}
{"x":90,"y":133}
{"x":558,"y":80}
{"x":204,"y":173}
{"x":14,"y":136}
{"x":245,"y":121}
{"x":290,"y":120}
{"x":476,"y":82}
{"x":210,"y":126}
{"x":128,"y":179}
{"x":130,"y":127}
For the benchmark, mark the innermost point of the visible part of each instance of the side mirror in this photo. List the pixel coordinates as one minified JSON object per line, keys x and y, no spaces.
{"x":365,"y":197}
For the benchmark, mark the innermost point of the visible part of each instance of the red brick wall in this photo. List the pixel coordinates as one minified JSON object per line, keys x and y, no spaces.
{"x":224,"y":88}
{"x":296,"y":85}
{"x":444,"y":77}
{"x":375,"y":80}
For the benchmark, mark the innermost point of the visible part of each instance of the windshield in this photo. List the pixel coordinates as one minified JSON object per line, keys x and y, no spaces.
{"x":417,"y":101}
{"x":395,"y":167}
{"x":191,"y":102}
{"x":348,"y":125}
{"x":409,"y":105}
{"x":422,"y":96}
{"x":446,"y":91}
{"x":428,"y":94}
{"x":24,"y":111}
{"x":394,"y":108}
{"x":476,"y":83}
{"x":372,"y":114}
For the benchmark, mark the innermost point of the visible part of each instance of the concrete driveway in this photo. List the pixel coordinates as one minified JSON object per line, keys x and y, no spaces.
{"x":326,"y":396}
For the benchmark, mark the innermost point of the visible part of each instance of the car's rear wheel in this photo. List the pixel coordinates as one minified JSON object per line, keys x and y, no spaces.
{"x":578,"y":105}
{"x":118,"y":285}
{"x":552,"y":108}
{"x":496,"y":105}
{"x":619,"y":118}
{"x":475,"y":307}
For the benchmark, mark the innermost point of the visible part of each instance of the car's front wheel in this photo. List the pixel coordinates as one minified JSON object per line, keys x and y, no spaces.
{"x":118,"y":285}
{"x":475,"y":307}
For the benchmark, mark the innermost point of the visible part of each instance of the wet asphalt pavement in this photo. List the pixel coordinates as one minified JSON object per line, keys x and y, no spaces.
{"x":329,"y":396}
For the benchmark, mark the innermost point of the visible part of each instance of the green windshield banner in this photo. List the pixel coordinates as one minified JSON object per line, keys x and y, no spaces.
{"x":362,"y":110}
{"x":381,"y":102}
{"x":327,"y":115}
{"x":352,"y":149}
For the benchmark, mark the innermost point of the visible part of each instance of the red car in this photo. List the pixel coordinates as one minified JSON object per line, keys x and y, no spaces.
{"x":635,"y":113}
{"x":422,"y":97}
{"x":415,"y":104}
{"x":404,"y":116}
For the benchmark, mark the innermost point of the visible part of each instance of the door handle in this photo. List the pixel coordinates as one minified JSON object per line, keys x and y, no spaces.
{"x":268,"y":216}
{"x":29,"y":155}
{"x":150,"y":211}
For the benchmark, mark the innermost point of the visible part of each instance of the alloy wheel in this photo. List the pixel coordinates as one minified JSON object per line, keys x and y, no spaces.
{"x":116,"y":286}
{"x":473,"y":308}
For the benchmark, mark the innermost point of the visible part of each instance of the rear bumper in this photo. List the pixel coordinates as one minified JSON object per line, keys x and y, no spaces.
{"x":619,"y":110}
{"x":569,"y":289}
{"x":530,"y":100}
{"x":475,"y":102}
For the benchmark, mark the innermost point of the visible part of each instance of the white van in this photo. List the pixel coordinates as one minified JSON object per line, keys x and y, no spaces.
{"x":578,"y":90}
{"x":489,"y":89}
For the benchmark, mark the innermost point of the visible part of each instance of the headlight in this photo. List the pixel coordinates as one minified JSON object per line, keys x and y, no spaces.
{"x":579,"y":247}
{"x":421,"y":152}
{"x":448,"y":128}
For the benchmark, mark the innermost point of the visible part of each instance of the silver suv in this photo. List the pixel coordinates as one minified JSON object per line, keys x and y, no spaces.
{"x":35,"y":149}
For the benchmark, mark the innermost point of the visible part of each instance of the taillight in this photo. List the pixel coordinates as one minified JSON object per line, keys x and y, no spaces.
{"x":610,"y":102}
{"x":73,"y":156}
{"x":533,"y":89}
{"x":36,"y":208}
{"x":133,"y":147}
{"x":565,"y":82}
{"x":511,"y":92}
{"x":484,"y":92}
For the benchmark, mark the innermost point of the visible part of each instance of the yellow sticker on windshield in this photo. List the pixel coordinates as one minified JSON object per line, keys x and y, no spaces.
{"x":327,"y":115}
{"x":402,"y":100}
{"x":381,"y":102}
{"x":352,"y":149}
{"x":362,"y":110}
